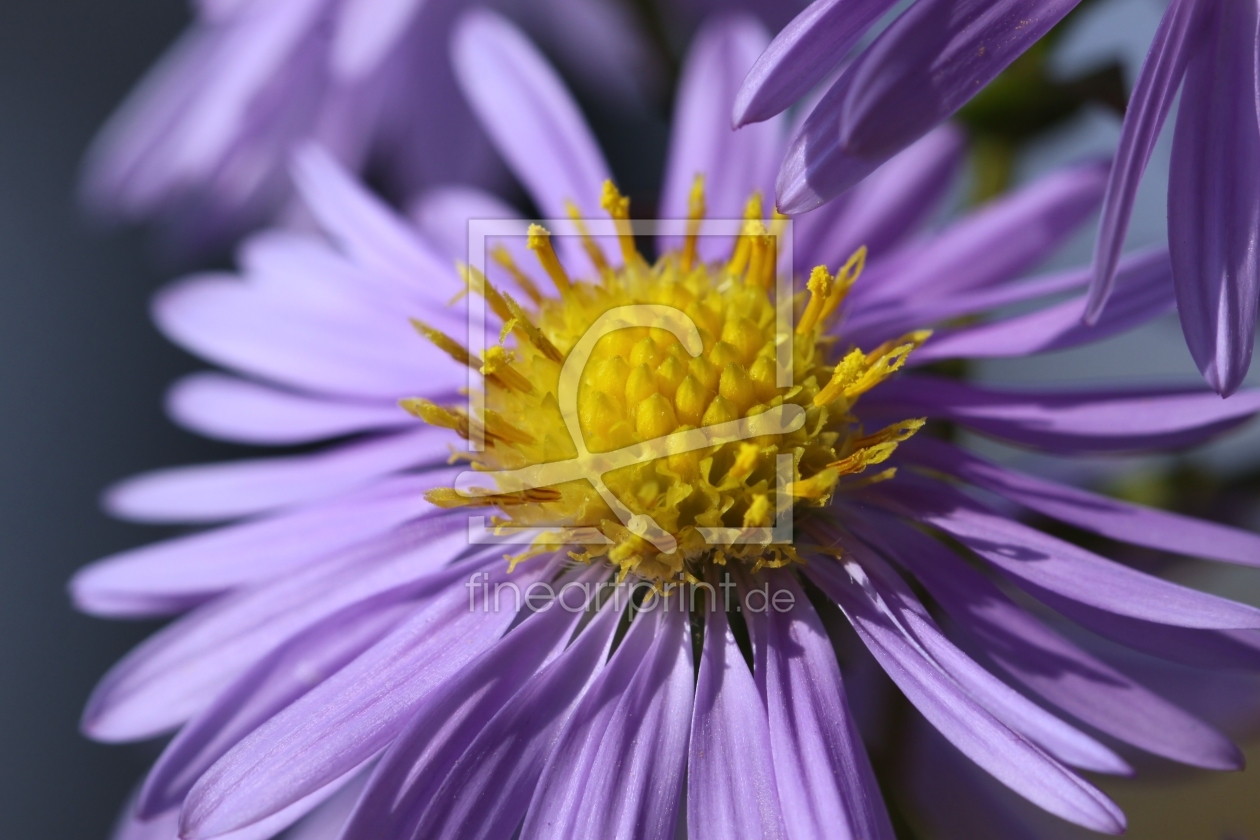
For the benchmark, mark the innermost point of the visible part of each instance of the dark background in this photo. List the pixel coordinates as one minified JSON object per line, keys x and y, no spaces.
{"x":81,"y":378}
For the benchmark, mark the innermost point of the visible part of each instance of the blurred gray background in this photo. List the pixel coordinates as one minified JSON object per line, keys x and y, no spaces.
{"x":81,"y":377}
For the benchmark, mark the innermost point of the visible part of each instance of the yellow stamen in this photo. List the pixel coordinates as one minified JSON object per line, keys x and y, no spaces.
{"x":589,"y":245}
{"x":695,"y":215}
{"x":847,"y":276}
{"x":540,"y":244}
{"x":503,"y":257}
{"x":617,"y":206}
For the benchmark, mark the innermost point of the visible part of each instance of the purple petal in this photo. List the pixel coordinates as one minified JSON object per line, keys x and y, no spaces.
{"x":233,"y":409}
{"x":734,"y":163}
{"x":273,"y":683}
{"x":1058,"y":670}
{"x":1011,"y":759}
{"x":1157,"y":529}
{"x":1059,"y":739}
{"x":1210,"y":649}
{"x":802,"y":55}
{"x":997,"y":243}
{"x":352,"y":716}
{"x":881,"y":211}
{"x":365,"y":32}
{"x":302,"y":343}
{"x":1072,"y":421}
{"x":450,"y":719}
{"x":179,"y":671}
{"x":532,"y":119}
{"x":1213,"y":206}
{"x":731,"y":789}
{"x":214,"y":492}
{"x":326,"y":821}
{"x":371,"y":233}
{"x":131,"y":827}
{"x":174,"y":575}
{"x":873,"y":324}
{"x":1048,"y":563}
{"x":1152,"y":96}
{"x":826,"y":787}
{"x":918,"y":72}
{"x":617,"y":769}
{"x":1145,"y":292}
{"x":443,"y":214}
{"x":485,"y":795}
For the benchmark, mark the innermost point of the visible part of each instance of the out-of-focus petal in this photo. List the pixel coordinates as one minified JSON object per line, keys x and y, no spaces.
{"x":532,"y":119}
{"x":802,"y":54}
{"x":1060,"y":671}
{"x":617,"y":769}
{"x":1145,"y":292}
{"x":918,"y":72}
{"x":241,"y":411}
{"x":978,"y":734}
{"x":1213,"y":203}
{"x":352,"y":716}
{"x":826,"y":786}
{"x":174,"y":575}
{"x":1152,"y":96}
{"x":1119,"y":520}
{"x":365,"y":31}
{"x":734,"y":163}
{"x":731,"y":790}
{"x":443,"y":214}
{"x":1048,"y":563}
{"x":226,"y":490}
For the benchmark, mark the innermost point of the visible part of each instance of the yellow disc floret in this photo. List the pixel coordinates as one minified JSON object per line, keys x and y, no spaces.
{"x":653,"y":405}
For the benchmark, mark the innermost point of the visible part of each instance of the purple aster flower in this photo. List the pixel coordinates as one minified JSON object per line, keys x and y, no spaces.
{"x":1213,"y":209}
{"x":344,"y":656}
{"x":920,"y":70}
{"x":202,"y":145}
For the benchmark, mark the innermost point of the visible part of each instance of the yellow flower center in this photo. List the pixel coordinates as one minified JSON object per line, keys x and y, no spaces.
{"x":686,"y":385}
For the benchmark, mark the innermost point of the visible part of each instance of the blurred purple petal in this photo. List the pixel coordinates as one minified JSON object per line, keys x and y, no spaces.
{"x":802,"y":55}
{"x":826,"y":787}
{"x":528,"y":113}
{"x":1213,"y":203}
{"x":734,"y":163}
{"x":1153,"y":94}
{"x":365,"y":32}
